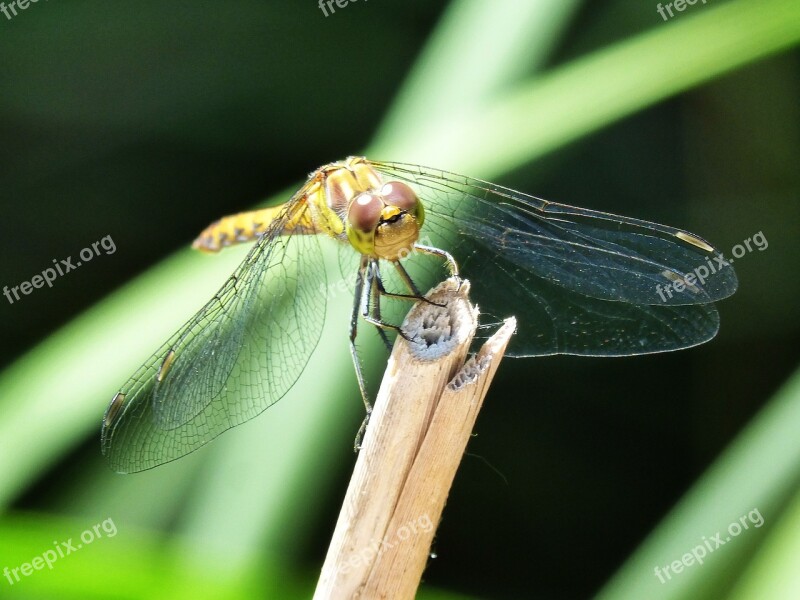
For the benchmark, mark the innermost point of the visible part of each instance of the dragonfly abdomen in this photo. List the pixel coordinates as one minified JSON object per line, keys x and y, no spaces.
{"x":248,"y":226}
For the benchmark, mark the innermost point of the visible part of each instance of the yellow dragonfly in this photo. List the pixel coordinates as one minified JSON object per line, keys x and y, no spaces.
{"x":579,"y":282}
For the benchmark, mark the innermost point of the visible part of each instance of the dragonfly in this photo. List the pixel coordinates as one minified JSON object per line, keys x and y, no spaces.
{"x":579,"y":281}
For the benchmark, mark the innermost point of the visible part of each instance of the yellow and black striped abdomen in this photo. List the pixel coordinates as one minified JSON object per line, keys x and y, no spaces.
{"x":248,"y":226}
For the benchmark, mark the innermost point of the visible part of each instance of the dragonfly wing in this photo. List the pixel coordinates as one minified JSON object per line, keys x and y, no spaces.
{"x":552,"y":319}
{"x":579,"y":281}
{"x":597,"y":254}
{"x":236,"y":357}
{"x":349,"y":261}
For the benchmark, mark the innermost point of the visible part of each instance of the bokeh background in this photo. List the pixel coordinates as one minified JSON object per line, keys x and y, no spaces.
{"x":145,"y":121}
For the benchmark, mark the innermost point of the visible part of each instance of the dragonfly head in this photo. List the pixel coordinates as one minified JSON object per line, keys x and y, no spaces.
{"x":385,"y":224}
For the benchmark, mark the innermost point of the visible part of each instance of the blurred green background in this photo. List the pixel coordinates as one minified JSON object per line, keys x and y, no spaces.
{"x":145,"y":121}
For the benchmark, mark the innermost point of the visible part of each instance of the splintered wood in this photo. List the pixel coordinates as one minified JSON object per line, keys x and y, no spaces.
{"x":423,"y":417}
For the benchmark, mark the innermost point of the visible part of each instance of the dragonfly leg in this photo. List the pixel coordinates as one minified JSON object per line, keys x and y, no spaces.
{"x":371,"y":311}
{"x":376,"y":289}
{"x":360,"y":434}
{"x":357,"y":302}
{"x":369,"y":287}
{"x":401,"y":270}
{"x":362,"y":305}
{"x":411,"y":285}
{"x":415,"y":295}
{"x":451,"y":262}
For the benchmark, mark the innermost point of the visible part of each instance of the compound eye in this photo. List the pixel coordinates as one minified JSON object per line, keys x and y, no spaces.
{"x":365,"y":212}
{"x":397,"y":193}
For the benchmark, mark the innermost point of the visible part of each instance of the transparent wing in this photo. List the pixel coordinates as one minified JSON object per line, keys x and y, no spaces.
{"x":349,"y":261}
{"x":579,"y":281}
{"x":236,"y":357}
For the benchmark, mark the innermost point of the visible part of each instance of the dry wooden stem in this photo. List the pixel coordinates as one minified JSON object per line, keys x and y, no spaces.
{"x":423,"y":417}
